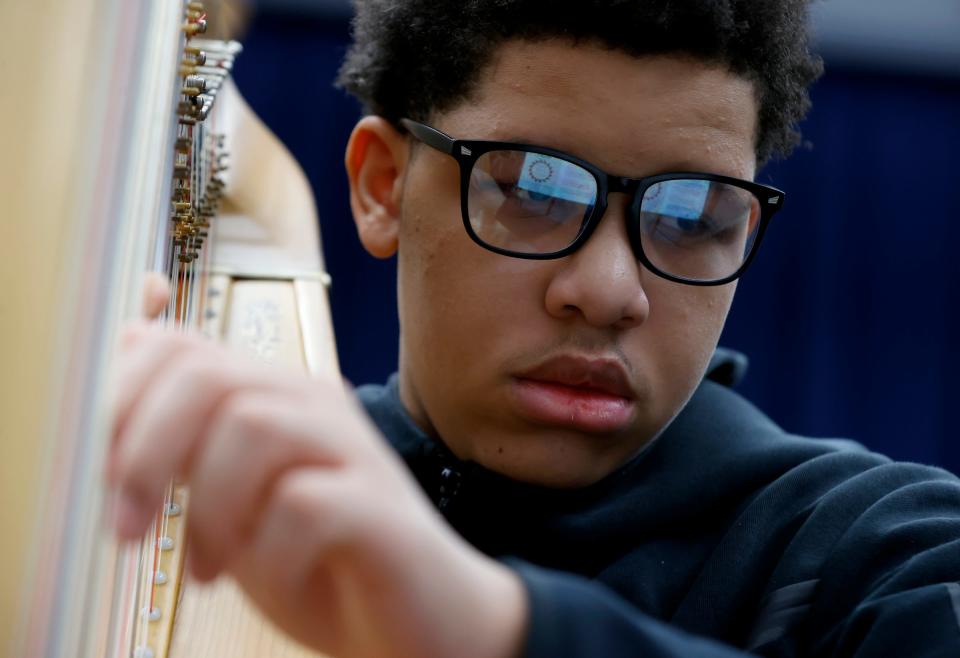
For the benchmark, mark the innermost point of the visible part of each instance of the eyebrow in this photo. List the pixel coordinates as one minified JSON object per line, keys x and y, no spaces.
{"x":674,"y":166}
{"x":520,"y":139}
{"x":688,"y":166}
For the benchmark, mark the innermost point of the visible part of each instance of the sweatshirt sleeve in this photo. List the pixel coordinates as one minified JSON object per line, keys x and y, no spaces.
{"x":890,"y":583}
{"x":881,"y":553}
{"x":573,"y":617}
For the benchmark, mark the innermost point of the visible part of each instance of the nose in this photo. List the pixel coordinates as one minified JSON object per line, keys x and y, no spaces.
{"x":601,"y":281}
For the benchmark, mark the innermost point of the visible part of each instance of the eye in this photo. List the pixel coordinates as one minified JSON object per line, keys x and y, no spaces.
{"x":693,"y":226}
{"x":679,"y":230}
{"x":521,"y":202}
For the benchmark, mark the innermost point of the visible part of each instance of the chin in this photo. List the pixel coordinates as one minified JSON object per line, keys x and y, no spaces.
{"x":555,"y":462}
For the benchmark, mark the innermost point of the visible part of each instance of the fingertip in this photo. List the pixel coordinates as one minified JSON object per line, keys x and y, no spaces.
{"x":129,"y":517}
{"x":199,"y":568}
{"x":156,"y":294}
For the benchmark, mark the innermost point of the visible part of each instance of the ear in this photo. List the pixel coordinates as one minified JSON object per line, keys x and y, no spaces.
{"x":376,"y":160}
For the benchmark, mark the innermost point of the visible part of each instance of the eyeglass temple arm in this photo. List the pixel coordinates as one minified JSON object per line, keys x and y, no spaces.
{"x":430,"y":136}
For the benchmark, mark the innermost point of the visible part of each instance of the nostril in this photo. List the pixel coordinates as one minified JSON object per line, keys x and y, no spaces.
{"x":627,"y":321}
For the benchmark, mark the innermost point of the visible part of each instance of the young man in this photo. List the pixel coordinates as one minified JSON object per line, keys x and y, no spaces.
{"x":553,"y":471}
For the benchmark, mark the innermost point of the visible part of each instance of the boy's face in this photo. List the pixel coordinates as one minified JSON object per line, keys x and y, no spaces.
{"x":558,"y":371}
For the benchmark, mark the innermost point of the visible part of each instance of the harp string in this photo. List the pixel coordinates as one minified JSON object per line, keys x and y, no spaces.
{"x":196,"y":188}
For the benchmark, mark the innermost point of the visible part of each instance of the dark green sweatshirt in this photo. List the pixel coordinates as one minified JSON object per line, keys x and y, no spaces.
{"x":726,"y":537}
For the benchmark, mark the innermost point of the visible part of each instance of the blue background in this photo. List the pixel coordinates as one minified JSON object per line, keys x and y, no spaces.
{"x":850,"y":312}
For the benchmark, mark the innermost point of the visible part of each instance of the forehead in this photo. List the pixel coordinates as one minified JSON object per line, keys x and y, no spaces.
{"x":633,"y":116}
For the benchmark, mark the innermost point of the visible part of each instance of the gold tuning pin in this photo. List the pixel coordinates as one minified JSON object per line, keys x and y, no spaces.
{"x":188,"y":109}
{"x":193,"y":28}
{"x":184,"y":222}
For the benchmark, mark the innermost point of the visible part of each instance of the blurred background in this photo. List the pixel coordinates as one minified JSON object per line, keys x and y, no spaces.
{"x":849,"y":315}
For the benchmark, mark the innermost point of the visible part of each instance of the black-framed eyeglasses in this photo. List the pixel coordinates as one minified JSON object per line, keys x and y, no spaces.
{"x":539,"y":203}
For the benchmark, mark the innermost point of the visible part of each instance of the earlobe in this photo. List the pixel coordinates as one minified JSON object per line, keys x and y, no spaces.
{"x":376,"y":159}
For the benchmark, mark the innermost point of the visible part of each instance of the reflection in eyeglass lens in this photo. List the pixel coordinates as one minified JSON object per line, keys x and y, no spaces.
{"x":528,"y":202}
{"x":698,"y":229}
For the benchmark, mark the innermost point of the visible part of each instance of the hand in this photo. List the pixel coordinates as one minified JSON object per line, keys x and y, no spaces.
{"x":296,"y":495}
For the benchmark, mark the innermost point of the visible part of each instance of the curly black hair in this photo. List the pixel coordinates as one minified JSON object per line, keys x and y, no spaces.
{"x":414,"y":58}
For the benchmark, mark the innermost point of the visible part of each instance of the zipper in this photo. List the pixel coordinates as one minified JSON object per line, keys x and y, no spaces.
{"x":450,"y":480}
{"x":445,"y":477}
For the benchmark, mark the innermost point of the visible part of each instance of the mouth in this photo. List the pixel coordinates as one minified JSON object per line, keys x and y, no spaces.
{"x":585,"y":394}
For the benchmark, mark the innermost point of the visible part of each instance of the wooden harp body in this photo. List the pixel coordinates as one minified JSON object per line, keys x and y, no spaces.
{"x":91,"y":199}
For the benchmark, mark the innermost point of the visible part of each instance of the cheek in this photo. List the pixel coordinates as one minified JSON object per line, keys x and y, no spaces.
{"x":445,"y":301}
{"x":472,"y":298}
{"x":717,"y":302}
{"x":445,"y":279}
{"x":686,"y":322}
{"x":429,"y":226}
{"x":696,"y":312}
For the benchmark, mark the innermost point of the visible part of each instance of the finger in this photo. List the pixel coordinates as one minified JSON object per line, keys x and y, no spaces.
{"x":162,"y":426}
{"x":156,"y":294}
{"x":255,"y":437}
{"x":144,"y":351}
{"x":171,"y":420}
{"x":292,"y":556}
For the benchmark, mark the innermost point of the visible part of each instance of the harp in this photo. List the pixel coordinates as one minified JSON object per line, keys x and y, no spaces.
{"x":121,"y":165}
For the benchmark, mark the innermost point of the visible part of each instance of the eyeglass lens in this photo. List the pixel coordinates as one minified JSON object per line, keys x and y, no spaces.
{"x":533,"y":203}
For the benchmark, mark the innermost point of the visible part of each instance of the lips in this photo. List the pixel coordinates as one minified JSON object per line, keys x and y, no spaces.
{"x":589,"y":395}
{"x":601,"y":375}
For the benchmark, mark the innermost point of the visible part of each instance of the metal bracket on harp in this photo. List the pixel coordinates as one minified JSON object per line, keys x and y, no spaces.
{"x":274,"y":275}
